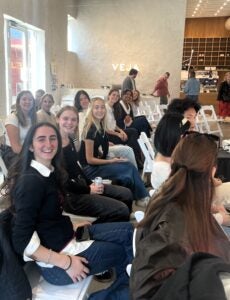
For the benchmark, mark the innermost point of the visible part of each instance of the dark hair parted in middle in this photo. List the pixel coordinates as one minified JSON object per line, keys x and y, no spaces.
{"x":77,"y":103}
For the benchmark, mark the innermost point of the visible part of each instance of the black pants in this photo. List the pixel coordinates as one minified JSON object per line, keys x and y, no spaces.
{"x":114,"y":205}
{"x":132,"y":135}
{"x":142,"y":124}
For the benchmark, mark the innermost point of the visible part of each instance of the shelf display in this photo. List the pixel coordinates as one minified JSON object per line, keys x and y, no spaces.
{"x":208,"y":79}
{"x":207,"y":52}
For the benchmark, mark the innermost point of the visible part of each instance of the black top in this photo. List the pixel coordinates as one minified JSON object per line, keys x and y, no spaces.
{"x":101,"y":144}
{"x":38,"y":206}
{"x":78,"y":182}
{"x":224,"y":92}
{"x":120,"y":114}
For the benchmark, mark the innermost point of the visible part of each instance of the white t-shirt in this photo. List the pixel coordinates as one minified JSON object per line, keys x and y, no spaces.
{"x":82,"y":117}
{"x":160,"y":173}
{"x":12,"y":119}
{"x":111,"y":122}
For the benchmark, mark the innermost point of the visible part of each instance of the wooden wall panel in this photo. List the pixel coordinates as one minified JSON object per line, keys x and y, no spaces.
{"x":206,"y":27}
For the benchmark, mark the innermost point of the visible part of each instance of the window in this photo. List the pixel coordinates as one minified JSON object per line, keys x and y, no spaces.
{"x":71,"y":34}
{"x":24,"y":58}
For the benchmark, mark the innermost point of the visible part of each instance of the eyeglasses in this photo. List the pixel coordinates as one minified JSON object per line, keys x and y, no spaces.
{"x":212,"y":137}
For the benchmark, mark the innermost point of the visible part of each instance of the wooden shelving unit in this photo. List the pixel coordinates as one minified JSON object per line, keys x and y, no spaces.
{"x":213,"y":52}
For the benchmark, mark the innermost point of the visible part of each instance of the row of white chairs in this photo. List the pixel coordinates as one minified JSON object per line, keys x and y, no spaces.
{"x":206,"y":121}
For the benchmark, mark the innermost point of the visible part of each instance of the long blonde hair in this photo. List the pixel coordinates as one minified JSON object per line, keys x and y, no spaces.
{"x":91,"y":120}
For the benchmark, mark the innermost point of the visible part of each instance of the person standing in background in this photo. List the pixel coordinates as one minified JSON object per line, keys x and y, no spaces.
{"x":129,"y":82}
{"x":161,"y":88}
{"x":192,"y":87}
{"x":224,"y":97}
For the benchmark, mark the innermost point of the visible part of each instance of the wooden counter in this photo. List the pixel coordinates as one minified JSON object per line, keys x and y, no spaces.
{"x":206,"y":99}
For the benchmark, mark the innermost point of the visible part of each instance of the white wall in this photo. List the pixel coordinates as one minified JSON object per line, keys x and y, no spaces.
{"x":148,"y":33}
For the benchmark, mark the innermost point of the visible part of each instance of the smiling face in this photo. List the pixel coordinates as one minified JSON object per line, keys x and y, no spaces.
{"x":99,"y":110}
{"x":47,"y":103}
{"x":26,"y":103}
{"x":84,"y":101}
{"x":44,"y":145}
{"x":68,"y":122}
{"x":127,"y":97}
{"x":113,"y":97}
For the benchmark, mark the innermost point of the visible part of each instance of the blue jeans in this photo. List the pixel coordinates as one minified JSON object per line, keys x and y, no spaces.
{"x":125,"y":174}
{"x":112,"y":248}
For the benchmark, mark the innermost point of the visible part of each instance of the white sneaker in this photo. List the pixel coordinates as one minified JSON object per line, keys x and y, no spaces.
{"x":143,"y":202}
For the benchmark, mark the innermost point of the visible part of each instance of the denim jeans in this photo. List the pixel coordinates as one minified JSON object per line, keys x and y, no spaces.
{"x":112,"y":248}
{"x":124,"y":174}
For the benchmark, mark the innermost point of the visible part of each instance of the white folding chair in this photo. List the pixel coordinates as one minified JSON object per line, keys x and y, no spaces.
{"x":2,"y":141}
{"x":163,"y":108}
{"x":148,"y":152}
{"x":42,"y":290}
{"x":207,"y":121}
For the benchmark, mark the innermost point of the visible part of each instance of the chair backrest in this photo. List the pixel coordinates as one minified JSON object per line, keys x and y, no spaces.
{"x":163,"y":108}
{"x":3,"y":166}
{"x":207,"y":120}
{"x":148,"y":145}
{"x":209,"y":112}
{"x":148,"y":152}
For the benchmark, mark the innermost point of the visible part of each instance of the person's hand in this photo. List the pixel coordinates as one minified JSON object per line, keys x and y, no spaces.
{"x":76,"y":225}
{"x":217,"y":181}
{"x":96,"y":188}
{"x":122,"y":135}
{"x":78,"y":270}
{"x":118,"y":159}
{"x":128,"y":120}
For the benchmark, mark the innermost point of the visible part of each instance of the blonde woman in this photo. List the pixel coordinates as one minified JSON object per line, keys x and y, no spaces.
{"x":94,"y":151}
{"x":44,"y":114}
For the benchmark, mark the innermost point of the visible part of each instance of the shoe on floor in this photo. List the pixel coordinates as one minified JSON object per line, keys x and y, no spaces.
{"x":104,"y":276}
{"x":143,"y":202}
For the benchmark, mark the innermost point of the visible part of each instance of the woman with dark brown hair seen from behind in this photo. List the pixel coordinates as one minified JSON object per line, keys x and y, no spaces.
{"x":178,"y":220}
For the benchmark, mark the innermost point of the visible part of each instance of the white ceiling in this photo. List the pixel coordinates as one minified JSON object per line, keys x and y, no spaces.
{"x":207,"y":8}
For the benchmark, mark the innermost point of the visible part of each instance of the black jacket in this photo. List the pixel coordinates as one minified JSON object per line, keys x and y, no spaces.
{"x":14,"y":284}
{"x":224,"y":92}
{"x":161,"y":250}
{"x":197,"y":279}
